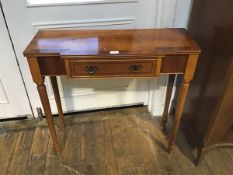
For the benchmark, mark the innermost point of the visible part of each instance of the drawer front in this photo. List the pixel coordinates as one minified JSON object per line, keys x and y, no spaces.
{"x":122,"y":68}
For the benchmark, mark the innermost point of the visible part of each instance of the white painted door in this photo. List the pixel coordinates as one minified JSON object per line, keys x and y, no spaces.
{"x":13,"y":99}
{"x":25,"y":19}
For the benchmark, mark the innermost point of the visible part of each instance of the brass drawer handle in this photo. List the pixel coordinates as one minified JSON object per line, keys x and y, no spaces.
{"x":91,"y":69}
{"x":135,"y":67}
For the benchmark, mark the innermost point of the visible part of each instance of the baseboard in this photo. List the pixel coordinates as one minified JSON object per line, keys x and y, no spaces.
{"x":24,"y":117}
{"x":14,"y":118}
{"x":101,"y":109}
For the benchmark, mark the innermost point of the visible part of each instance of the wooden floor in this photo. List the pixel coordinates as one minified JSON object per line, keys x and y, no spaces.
{"x":125,"y":142}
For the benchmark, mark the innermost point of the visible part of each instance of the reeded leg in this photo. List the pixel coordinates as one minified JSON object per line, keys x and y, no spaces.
{"x":48,"y":114}
{"x":179,"y":109}
{"x":58,"y":100}
{"x":170,"y":84}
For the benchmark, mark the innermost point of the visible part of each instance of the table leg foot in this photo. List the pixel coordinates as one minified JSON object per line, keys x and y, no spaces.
{"x":163,"y":124}
{"x":170,"y":147}
{"x":58,"y":150}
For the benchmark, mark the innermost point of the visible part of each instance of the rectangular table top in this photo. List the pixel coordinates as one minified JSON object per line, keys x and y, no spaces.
{"x":129,"y":42}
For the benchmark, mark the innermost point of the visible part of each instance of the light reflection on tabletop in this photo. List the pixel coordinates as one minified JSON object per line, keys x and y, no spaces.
{"x":81,"y":46}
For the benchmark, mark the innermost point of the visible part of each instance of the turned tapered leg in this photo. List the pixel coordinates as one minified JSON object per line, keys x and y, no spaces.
{"x":58,"y":100}
{"x":188,"y":76}
{"x":170,"y":84}
{"x":38,"y":78}
{"x":48,"y":114}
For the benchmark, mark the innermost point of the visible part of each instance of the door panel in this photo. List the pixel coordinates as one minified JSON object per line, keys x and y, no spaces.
{"x":13,"y":99}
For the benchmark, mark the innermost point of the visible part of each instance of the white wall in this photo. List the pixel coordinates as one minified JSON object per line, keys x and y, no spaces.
{"x":13,"y":99}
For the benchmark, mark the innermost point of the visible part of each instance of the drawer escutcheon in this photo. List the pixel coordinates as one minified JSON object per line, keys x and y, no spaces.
{"x":91,"y":69}
{"x":135,"y":67}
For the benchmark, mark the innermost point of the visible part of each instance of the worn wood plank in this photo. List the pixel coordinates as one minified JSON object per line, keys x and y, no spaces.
{"x":229,"y":151}
{"x":115,"y":142}
{"x":134,"y":150}
{"x":225,"y":157}
{"x":167,"y":164}
{"x":216,"y":163}
{"x":21,"y":152}
{"x":7,"y":145}
{"x":71,"y":150}
{"x":93,"y":155}
{"x":95,"y":152}
{"x":53,"y":162}
{"x":178,"y":162}
{"x":111,"y":162}
{"x":36,"y":162}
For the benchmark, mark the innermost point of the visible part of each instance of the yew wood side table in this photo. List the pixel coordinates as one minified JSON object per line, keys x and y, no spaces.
{"x":97,"y":54}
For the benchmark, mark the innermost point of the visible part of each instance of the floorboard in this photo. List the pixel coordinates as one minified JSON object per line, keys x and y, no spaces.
{"x":116,"y":142}
{"x":21,"y":152}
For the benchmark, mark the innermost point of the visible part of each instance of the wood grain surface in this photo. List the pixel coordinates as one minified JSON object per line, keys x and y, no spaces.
{"x":115,"y":142}
{"x":102,"y":42}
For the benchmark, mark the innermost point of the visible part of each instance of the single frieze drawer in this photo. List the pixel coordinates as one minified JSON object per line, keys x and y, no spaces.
{"x":122,"y":68}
